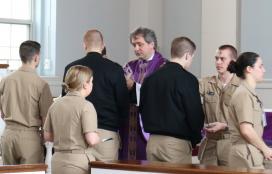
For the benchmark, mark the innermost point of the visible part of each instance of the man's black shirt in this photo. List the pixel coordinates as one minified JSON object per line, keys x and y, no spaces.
{"x":170,"y":103}
{"x":110,"y":94}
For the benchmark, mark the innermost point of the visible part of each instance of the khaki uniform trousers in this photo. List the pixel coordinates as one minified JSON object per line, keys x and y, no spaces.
{"x":267,"y":164}
{"x":108,"y":150}
{"x":71,"y":162}
{"x":215,"y":152}
{"x":21,"y":146}
{"x":169,"y":149}
{"x":245,"y":156}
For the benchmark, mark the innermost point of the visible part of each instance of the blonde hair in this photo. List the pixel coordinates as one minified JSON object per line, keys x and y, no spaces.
{"x":76,"y":76}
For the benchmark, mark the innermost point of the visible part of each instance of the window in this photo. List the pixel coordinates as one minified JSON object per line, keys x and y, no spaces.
{"x":22,"y":20}
{"x":15,"y":27}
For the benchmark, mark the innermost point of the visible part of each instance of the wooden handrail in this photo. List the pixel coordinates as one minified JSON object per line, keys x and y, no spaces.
{"x":4,"y":66}
{"x":160,"y":167}
{"x":23,"y":168}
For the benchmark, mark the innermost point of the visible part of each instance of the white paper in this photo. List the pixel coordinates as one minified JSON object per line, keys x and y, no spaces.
{"x":138,"y":87}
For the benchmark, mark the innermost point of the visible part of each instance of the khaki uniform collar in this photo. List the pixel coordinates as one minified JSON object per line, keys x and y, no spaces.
{"x":213,"y":79}
{"x":249,"y":88}
{"x":27,"y":69}
{"x":235,"y":80}
{"x":74,"y":93}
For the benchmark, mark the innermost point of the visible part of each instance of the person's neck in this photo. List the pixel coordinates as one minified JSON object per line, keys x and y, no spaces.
{"x":29,"y":66}
{"x":98,"y":50}
{"x":179,"y":61}
{"x":83,"y":93}
{"x":150,"y":56}
{"x":225,"y":77}
{"x":251,"y":82}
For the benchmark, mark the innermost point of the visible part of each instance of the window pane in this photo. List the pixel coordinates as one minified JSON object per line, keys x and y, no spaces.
{"x":15,"y":53}
{"x":14,"y":64}
{"x":21,"y":9}
{"x":3,"y":61}
{"x":5,"y":8}
{"x":4,"y":52}
{"x":19,"y":33}
{"x":5,"y":34}
{"x":15,"y":9}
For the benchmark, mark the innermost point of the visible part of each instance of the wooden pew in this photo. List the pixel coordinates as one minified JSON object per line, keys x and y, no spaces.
{"x":30,"y":168}
{"x":145,"y":167}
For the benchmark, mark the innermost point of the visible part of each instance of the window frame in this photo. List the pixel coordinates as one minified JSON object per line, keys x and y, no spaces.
{"x":29,"y":23}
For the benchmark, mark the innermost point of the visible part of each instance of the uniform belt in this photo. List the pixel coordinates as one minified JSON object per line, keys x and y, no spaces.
{"x":218,"y":136}
{"x":21,"y":128}
{"x":75,"y":151}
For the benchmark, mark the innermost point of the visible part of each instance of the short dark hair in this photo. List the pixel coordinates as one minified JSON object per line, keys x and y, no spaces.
{"x":244,"y":60}
{"x":104,"y":51}
{"x":148,"y":35}
{"x":181,"y":45}
{"x":232,"y":49}
{"x":28,"y":49}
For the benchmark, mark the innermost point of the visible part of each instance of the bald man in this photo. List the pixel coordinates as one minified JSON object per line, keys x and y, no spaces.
{"x":109,"y":95}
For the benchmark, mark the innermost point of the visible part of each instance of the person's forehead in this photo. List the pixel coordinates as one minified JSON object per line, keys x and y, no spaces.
{"x":138,"y":38}
{"x":223,"y":53}
{"x":259,"y":60}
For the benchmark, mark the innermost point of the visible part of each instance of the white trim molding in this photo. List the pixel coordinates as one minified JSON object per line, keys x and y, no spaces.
{"x":55,"y":84}
{"x":266,"y":84}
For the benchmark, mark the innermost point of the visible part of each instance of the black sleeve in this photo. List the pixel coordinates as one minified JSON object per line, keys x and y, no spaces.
{"x":193,"y":109}
{"x":121,"y":94}
{"x":132,"y":94}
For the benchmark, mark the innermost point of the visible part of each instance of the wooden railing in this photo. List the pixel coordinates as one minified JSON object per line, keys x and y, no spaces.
{"x":33,"y":168}
{"x":158,"y":167}
{"x":4,"y":66}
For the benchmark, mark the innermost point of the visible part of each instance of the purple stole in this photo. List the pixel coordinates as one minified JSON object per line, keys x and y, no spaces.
{"x":134,"y":139}
{"x":142,"y":68}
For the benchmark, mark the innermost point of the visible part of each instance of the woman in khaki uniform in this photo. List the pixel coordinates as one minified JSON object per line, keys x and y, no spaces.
{"x":71,"y":124}
{"x":248,"y":149}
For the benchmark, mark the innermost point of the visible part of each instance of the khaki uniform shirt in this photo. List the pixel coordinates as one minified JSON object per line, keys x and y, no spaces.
{"x":211,"y":90}
{"x":68,"y":119}
{"x":25,"y":98}
{"x":214,"y":149}
{"x":244,"y":106}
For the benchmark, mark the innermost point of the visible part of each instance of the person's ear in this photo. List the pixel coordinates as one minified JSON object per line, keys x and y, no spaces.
{"x":249,"y":69}
{"x":84,"y":85}
{"x":84,"y":46}
{"x":36,"y":58}
{"x":186,"y":56}
{"x":152,"y":44}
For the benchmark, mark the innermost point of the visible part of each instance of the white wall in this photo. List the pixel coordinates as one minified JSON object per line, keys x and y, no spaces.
{"x":75,"y":17}
{"x":219,"y":26}
{"x":256,"y":36}
{"x":183,"y":18}
{"x":256,"y":27}
{"x":264,"y":91}
{"x":146,"y":13}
